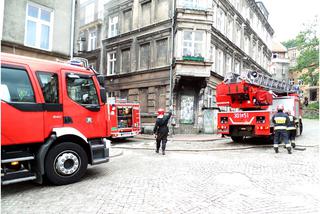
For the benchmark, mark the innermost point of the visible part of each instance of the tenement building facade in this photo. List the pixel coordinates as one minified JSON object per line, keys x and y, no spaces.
{"x":152,"y":59}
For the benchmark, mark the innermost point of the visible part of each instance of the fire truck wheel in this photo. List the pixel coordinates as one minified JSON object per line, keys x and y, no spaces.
{"x":65,"y":163}
{"x":237,"y":139}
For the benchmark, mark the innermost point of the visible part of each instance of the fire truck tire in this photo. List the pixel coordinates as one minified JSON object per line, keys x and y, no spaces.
{"x":237,"y":139}
{"x":65,"y":163}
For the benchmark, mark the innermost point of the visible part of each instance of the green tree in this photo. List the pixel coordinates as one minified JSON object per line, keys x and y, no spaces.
{"x":307,"y":43}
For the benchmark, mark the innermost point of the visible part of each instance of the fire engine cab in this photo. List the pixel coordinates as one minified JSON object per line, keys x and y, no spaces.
{"x":124,"y":118}
{"x":253,"y":98}
{"x":53,"y":121}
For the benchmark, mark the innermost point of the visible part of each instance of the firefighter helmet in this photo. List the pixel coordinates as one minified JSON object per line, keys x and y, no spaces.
{"x":280,"y":107}
{"x":160,"y":111}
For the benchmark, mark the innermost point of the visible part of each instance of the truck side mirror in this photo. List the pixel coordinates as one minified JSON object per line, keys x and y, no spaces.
{"x":101,"y":80}
{"x":103,"y":95}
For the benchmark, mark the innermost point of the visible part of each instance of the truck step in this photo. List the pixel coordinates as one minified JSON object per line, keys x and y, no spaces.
{"x":9,"y":157}
{"x":18,"y":176}
{"x":99,"y":160}
{"x":97,"y":146}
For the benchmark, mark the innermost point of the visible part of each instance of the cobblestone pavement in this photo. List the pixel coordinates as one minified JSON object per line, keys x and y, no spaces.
{"x":238,"y":181}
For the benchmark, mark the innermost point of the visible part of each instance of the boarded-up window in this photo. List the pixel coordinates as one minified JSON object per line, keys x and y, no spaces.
{"x":127,"y":21}
{"x":162,"y":10}
{"x":144,"y":56}
{"x":125,"y":62}
{"x":161,"y":97}
{"x":146,"y":14}
{"x":162,"y":52}
{"x":143,"y":99}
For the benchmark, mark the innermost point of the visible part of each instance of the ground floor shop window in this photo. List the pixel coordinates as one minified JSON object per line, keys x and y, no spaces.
{"x":187,"y":108}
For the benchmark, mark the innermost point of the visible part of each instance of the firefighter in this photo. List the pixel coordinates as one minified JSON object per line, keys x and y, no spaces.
{"x":292,"y":130}
{"x":280,"y":121}
{"x":161,"y":129}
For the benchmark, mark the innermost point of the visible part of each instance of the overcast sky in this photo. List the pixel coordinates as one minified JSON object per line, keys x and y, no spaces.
{"x":287,"y":16}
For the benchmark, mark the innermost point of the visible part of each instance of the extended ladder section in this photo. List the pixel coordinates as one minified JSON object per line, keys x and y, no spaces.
{"x":261,"y":80}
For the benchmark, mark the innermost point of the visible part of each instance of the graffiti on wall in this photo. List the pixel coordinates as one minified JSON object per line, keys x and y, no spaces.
{"x":187,"y":109}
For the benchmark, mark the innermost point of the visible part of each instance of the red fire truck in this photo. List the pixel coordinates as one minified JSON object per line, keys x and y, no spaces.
{"x":124,"y":119}
{"x":53,"y":121}
{"x":253,"y":98}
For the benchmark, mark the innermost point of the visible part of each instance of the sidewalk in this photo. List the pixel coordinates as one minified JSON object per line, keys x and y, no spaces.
{"x":185,"y":137}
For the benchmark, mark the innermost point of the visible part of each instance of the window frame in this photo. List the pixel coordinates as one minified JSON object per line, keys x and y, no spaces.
{"x":113,"y":61}
{"x":39,"y":23}
{"x":89,"y":106}
{"x":30,"y":81}
{"x":92,"y":41}
{"x":38,"y":73}
{"x":112,"y":22}
{"x":193,"y":42}
{"x":90,"y":9}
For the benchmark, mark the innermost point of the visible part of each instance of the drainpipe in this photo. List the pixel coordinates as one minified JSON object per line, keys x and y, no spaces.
{"x":72,"y":27}
{"x":171,"y":52}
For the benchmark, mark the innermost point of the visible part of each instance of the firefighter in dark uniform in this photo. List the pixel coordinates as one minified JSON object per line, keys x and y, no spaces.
{"x":280,"y":121}
{"x":292,"y":130}
{"x":161,"y":129}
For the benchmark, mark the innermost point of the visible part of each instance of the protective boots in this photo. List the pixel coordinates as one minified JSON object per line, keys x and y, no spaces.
{"x":276,"y":149}
{"x":289,"y":150}
{"x":157,"y":150}
{"x":293,"y":144}
{"x":163,"y":152}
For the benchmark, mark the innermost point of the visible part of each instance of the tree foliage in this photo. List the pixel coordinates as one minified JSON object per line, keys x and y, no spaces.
{"x":307,"y":44}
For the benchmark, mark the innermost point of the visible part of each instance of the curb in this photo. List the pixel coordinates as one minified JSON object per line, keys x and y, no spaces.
{"x":187,"y":140}
{"x":215,"y":149}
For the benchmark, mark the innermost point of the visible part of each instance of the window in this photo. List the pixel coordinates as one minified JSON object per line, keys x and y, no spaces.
{"x":195,"y":4}
{"x":92,"y":43}
{"x":112,"y":57}
{"x":113,"y":26}
{"x":162,"y":10}
{"x":127,"y":20}
{"x":221,"y":21}
{"x":220,"y":61}
{"x":89,"y":13}
{"x":238,"y":39}
{"x":146,"y":14}
{"x":49,"y":86}
{"x":125,"y":61}
{"x":228,"y":64}
{"x":162,"y":52}
{"x":274,"y":55}
{"x":210,"y":97}
{"x":82,"y":90}
{"x":38,"y":27}
{"x":246,"y":44}
{"x":144,"y":56}
{"x":237,"y":66}
{"x":213,"y":57}
{"x":229,"y":28}
{"x":193,"y":42}
{"x":16,"y":86}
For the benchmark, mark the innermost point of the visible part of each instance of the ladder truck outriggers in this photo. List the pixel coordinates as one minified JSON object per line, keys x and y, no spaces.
{"x":252,"y":98}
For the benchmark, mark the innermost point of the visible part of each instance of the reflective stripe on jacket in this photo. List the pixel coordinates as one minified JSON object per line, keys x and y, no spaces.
{"x":280,"y":121}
